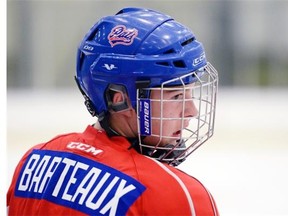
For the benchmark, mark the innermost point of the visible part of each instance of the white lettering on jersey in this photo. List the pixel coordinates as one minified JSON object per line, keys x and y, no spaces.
{"x":71,"y":178}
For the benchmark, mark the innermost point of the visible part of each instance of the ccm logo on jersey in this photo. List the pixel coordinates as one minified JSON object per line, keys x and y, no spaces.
{"x":77,"y":182}
{"x":84,"y":147}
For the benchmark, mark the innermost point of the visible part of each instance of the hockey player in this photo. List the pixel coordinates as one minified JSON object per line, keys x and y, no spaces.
{"x":146,"y":78}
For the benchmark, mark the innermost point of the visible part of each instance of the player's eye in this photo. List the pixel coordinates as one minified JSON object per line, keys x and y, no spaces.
{"x":177,"y":96}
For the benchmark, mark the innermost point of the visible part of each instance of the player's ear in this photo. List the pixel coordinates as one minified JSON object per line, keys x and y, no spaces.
{"x":118,"y":98}
{"x":120,"y":102}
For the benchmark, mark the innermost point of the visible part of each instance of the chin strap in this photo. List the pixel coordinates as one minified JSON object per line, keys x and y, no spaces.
{"x":170,"y":155}
{"x":161,"y":155}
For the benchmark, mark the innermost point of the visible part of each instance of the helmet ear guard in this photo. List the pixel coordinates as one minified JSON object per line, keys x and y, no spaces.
{"x":109,"y":93}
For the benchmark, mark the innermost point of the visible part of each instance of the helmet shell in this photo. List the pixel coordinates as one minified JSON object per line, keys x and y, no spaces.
{"x":134,"y":46}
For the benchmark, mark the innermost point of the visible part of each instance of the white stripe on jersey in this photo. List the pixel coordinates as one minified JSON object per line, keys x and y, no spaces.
{"x":183,"y":186}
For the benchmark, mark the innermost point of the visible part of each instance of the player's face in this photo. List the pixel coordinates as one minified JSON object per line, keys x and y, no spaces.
{"x":168,"y":131}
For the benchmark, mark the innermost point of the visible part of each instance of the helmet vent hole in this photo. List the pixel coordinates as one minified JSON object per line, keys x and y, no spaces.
{"x":162,"y":63}
{"x":169,"y":51}
{"x":179,"y":64}
{"x":190,"y":40}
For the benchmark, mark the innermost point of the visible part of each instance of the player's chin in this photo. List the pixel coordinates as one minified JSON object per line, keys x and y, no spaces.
{"x":175,"y":137}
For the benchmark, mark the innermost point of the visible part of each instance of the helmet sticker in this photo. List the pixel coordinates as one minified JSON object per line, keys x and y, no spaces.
{"x":121,"y":35}
{"x":145,"y":116}
{"x":109,"y":66}
{"x":199,"y":59}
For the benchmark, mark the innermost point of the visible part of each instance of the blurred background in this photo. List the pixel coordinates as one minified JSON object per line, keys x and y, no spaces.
{"x":244,"y":165}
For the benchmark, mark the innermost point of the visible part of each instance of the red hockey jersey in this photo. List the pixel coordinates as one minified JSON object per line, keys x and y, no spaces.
{"x":91,"y":174}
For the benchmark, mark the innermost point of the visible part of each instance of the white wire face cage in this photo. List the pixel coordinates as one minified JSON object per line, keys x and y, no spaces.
{"x":174,"y":121}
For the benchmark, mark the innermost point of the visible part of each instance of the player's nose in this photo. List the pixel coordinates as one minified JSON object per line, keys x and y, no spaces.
{"x":190,"y":109}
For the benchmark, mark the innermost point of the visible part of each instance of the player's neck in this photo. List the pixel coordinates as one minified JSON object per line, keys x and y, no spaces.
{"x":125,"y":125}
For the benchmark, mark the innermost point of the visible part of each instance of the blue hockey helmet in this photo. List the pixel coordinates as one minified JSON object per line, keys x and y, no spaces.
{"x":135,"y":48}
{"x":138,"y":51}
